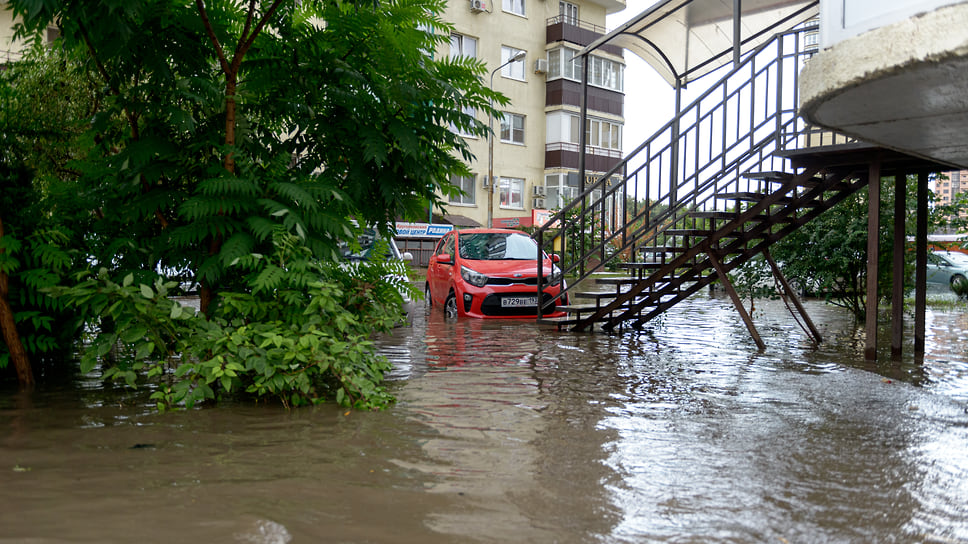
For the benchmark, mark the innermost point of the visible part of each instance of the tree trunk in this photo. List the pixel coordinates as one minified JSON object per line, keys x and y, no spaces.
{"x":18,"y":355}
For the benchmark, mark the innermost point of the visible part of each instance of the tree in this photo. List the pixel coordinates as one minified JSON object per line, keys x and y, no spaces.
{"x":46,"y":103}
{"x":245,"y":121}
{"x":828,"y":255}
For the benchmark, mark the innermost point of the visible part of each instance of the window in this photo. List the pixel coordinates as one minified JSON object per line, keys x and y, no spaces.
{"x":468,"y":185}
{"x":563,"y":62}
{"x":568,"y":12}
{"x":563,"y":127}
{"x":462,"y":130}
{"x":463,"y":46}
{"x":512,"y":128}
{"x":512,"y":193}
{"x":604,"y":134}
{"x":513,"y":6}
{"x":514,"y":70}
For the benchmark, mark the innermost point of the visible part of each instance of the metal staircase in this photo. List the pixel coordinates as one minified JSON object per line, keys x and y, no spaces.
{"x":713,"y":188}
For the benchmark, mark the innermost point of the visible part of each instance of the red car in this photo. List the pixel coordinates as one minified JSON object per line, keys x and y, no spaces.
{"x":491,"y":273}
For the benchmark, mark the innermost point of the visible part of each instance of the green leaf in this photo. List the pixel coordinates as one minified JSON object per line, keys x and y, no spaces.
{"x":146,"y":291}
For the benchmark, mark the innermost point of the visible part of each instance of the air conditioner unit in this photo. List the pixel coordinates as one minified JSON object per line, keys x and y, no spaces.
{"x":478,"y":6}
{"x":538,"y":190}
{"x":541,"y":66}
{"x":538,"y":203}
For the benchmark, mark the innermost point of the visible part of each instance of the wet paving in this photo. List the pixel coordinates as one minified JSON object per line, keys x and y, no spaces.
{"x":508,"y":432}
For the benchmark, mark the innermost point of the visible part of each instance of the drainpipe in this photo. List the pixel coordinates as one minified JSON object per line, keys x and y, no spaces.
{"x":737,"y":30}
{"x":582,"y":142}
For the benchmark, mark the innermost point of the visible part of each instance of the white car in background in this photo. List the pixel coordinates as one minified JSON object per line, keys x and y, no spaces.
{"x":947,"y":267}
{"x":370,"y":250}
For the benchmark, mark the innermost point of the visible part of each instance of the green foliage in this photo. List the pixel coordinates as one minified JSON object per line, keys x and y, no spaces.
{"x":960,"y":288}
{"x":754,"y":279}
{"x":828,"y":256}
{"x":44,"y":102}
{"x":291,"y":337}
{"x":223,"y":136}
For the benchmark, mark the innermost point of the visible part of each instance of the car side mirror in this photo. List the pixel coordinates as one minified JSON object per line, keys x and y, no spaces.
{"x":407,"y":256}
{"x":555,"y":258}
{"x":444,"y":258}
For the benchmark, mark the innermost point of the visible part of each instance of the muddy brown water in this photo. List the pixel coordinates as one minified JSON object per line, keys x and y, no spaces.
{"x":507,"y":432}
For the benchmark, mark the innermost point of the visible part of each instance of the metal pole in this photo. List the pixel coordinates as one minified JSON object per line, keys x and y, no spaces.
{"x":897,"y":272}
{"x":582,"y":142}
{"x":737,"y":31}
{"x":921,"y":265}
{"x":873,"y":229}
{"x":490,"y":141}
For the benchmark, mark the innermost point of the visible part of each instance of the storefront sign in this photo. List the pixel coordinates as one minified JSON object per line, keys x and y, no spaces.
{"x":422,"y":230}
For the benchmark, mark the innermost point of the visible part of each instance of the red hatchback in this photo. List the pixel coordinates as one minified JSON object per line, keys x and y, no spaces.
{"x":491,"y":273}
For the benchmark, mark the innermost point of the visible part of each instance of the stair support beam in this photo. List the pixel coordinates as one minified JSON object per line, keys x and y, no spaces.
{"x":920,"y":265}
{"x":897,"y":266}
{"x":873,"y":227}
{"x":737,"y":302}
{"x":778,"y":274}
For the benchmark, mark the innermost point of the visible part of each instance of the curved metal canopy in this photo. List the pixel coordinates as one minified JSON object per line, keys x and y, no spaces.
{"x":686,"y":39}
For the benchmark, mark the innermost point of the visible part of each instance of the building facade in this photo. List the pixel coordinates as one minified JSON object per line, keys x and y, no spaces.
{"x":536,"y":138}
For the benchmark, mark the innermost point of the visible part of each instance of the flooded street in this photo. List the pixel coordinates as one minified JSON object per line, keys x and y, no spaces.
{"x":508,"y":432}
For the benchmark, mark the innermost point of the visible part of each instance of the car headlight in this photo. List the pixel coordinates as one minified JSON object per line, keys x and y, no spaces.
{"x":473,"y":277}
{"x":555,"y":277}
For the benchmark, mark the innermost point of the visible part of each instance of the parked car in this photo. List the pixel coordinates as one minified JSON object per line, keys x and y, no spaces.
{"x":489,"y":273}
{"x":947,"y":267}
{"x":370,"y":248}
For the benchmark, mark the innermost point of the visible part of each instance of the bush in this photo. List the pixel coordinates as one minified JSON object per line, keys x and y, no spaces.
{"x":301,"y":334}
{"x":960,"y":287}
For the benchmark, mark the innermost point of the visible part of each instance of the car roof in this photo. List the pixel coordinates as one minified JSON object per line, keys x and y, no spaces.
{"x":490,"y":231}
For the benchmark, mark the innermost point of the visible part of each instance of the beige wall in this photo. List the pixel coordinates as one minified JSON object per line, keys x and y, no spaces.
{"x":8,"y":50}
{"x":494,"y":29}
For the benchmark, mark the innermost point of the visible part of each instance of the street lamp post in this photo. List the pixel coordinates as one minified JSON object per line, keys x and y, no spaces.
{"x":490,"y":144}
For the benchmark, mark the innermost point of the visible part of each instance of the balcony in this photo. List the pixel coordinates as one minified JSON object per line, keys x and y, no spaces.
{"x":901,"y":85}
{"x":569,"y":29}
{"x":565,"y":155}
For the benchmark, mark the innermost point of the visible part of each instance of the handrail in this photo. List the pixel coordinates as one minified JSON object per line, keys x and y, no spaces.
{"x":733,"y":127}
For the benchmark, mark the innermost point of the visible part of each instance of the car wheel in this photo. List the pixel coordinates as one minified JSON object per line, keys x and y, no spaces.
{"x":450,"y":307}
{"x":956,"y":278}
{"x":429,"y":302}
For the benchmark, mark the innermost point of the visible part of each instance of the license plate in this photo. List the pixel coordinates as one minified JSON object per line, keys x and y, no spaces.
{"x":517,"y":302}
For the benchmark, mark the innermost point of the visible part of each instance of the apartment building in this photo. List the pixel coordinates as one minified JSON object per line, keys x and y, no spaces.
{"x":535,"y":152}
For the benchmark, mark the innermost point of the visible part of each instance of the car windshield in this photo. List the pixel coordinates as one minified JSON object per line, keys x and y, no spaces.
{"x":957,"y":258}
{"x":370,"y":246}
{"x":497,"y":246}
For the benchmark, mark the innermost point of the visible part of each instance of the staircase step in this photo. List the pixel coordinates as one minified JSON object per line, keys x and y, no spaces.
{"x":689,"y":232}
{"x":769,"y":175}
{"x":559,"y":322}
{"x":774,"y":176}
{"x":617,"y":280}
{"x":596,"y":295}
{"x":745,"y":196}
{"x":714,"y":215}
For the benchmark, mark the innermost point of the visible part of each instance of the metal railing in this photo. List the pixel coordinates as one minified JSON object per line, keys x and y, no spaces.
{"x":734,"y":127}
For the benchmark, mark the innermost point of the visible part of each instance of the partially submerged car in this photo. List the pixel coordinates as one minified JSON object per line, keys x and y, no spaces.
{"x":372,"y":247}
{"x":947,"y":267}
{"x":491,"y":273}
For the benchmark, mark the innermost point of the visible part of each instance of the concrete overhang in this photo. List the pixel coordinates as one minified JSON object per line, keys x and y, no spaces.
{"x":903,"y":86}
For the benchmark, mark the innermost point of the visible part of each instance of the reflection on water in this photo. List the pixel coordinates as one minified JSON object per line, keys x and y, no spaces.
{"x":507,"y":432}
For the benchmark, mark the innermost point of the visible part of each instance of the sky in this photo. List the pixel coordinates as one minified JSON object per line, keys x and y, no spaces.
{"x":649,"y":100}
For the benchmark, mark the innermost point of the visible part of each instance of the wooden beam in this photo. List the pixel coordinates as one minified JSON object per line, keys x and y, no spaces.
{"x":920,"y":265}
{"x":728,"y":286}
{"x":873,"y":228}
{"x":778,"y":274}
{"x":897,"y":271}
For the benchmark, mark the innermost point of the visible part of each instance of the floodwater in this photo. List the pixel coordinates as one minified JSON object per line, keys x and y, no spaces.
{"x":507,"y":432}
